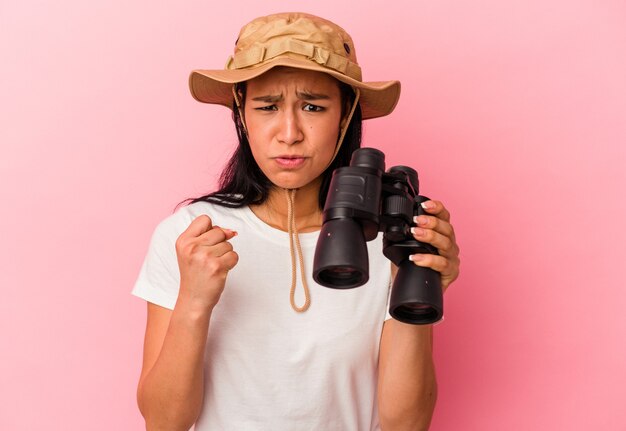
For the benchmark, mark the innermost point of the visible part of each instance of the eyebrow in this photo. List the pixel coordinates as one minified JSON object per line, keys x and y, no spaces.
{"x":303,"y":95}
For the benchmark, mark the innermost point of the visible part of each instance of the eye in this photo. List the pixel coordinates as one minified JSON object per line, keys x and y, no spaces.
{"x":313,"y":108}
{"x":266,"y":108}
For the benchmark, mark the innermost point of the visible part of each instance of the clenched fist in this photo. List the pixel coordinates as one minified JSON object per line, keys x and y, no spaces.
{"x":204,"y":258}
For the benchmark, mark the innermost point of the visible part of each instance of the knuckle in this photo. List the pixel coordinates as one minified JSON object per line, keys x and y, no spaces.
{"x":447,"y":244}
{"x":196,"y":257}
{"x":433,"y":222}
{"x":185,"y":248}
{"x":445,"y":265}
{"x":230,"y":259}
{"x":454,"y":276}
{"x":219,"y":234}
{"x":213,"y":267}
{"x":203,"y":217}
{"x":180,"y":242}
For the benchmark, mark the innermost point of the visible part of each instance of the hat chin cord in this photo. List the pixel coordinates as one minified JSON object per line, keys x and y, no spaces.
{"x":291,"y":220}
{"x":293,"y":233}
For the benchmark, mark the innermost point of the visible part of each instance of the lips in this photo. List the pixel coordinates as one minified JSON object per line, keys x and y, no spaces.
{"x":290,"y":161}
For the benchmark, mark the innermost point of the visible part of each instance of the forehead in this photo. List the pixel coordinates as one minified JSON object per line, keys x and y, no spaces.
{"x":286,"y":79}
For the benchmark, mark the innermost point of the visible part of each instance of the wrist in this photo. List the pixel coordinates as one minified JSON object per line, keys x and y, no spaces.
{"x":194,"y":309}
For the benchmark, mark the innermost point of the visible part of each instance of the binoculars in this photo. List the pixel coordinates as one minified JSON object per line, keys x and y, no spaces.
{"x":363,"y":200}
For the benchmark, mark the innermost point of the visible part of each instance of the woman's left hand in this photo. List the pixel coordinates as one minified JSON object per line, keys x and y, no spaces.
{"x":435,"y":229}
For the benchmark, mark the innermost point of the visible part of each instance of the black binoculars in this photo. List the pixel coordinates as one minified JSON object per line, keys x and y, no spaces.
{"x":363,"y":200}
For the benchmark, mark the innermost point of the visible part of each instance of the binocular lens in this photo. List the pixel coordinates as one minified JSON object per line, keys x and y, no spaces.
{"x":340,"y":276}
{"x":416,"y":295}
{"x":416,"y":313}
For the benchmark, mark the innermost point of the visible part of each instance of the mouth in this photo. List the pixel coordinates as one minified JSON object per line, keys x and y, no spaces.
{"x":288,"y":161}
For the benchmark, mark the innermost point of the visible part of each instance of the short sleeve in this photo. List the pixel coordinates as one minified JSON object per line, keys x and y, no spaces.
{"x":159,"y":277}
{"x":387,"y":314}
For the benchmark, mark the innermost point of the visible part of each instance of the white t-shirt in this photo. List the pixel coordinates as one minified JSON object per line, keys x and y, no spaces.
{"x":268,"y":367}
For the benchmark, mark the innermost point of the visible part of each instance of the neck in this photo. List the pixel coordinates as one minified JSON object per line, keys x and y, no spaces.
{"x":308,"y":216}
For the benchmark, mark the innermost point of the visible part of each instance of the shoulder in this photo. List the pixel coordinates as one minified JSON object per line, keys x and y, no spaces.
{"x":170,"y":227}
{"x":176,"y":223}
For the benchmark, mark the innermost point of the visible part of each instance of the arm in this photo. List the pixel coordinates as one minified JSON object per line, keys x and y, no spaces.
{"x":407,"y":385}
{"x":171,"y":387}
{"x":170,"y":390}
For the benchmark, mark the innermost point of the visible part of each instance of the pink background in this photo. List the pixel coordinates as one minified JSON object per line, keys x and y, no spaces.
{"x":514,"y":113}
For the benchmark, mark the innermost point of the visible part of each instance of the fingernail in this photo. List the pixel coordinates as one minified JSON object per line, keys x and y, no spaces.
{"x":416,"y":257}
{"x":228,"y":231}
{"x":427,"y":205}
{"x":417,"y":231}
{"x":418,"y":220}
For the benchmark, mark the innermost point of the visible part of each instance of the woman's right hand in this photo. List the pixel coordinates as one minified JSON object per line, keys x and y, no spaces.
{"x":204,"y":258}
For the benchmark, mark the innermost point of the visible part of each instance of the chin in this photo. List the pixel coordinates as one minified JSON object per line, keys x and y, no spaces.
{"x":292,"y":181}
{"x":288,"y":184}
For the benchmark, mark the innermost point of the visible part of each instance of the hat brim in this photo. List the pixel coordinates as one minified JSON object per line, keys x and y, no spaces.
{"x":215,"y":86}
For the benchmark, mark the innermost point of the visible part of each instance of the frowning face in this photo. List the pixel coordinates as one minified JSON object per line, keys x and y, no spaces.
{"x":293,"y":120}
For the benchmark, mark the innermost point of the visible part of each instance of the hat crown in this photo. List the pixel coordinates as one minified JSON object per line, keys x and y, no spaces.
{"x":297,"y":40}
{"x":303,"y":27}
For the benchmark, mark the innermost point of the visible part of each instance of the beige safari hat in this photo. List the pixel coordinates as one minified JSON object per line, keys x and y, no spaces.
{"x":296,"y":40}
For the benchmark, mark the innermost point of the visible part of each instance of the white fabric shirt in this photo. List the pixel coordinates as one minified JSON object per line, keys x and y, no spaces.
{"x":268,"y":367}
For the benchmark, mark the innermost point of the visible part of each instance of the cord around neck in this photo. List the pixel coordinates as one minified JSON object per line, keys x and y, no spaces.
{"x":293,"y":232}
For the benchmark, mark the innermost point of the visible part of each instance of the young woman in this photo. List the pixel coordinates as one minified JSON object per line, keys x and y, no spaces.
{"x":239,"y":336}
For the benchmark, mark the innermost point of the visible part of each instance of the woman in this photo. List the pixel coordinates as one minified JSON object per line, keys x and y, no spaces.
{"x":223,"y":347}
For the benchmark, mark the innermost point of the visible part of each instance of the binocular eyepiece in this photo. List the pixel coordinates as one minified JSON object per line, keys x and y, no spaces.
{"x":363,"y":200}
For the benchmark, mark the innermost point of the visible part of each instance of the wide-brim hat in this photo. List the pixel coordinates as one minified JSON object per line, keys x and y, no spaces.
{"x":297,"y":40}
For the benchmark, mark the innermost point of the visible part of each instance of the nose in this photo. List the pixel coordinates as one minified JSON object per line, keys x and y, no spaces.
{"x":290,"y":130}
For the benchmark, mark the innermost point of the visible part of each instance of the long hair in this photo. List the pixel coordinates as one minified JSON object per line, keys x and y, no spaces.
{"x":242,"y":182}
